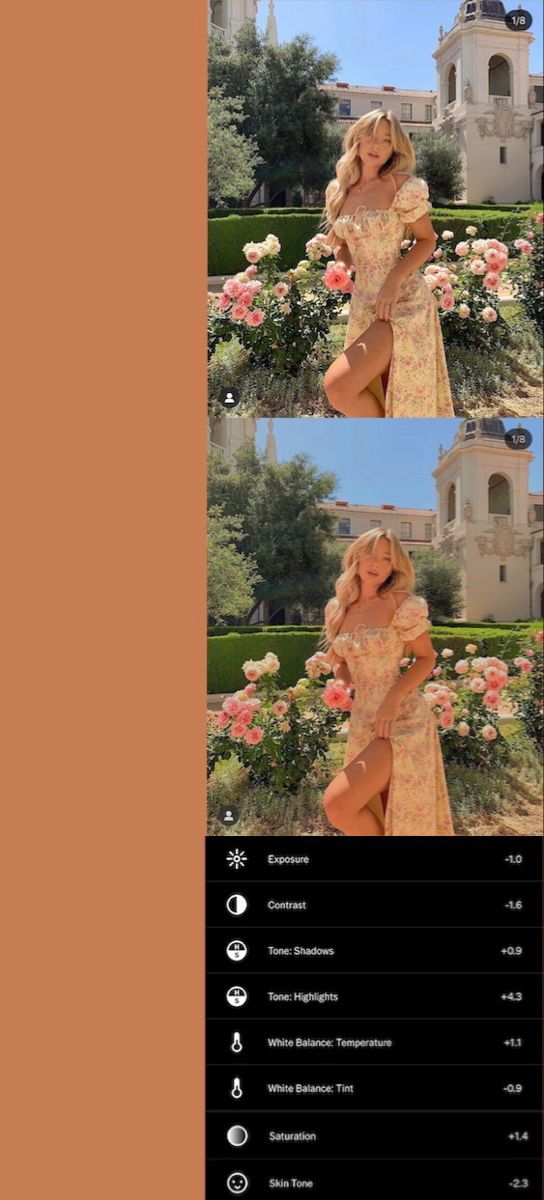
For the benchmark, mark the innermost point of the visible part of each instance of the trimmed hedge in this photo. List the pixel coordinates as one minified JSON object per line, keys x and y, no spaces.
{"x":226,"y":653}
{"x":228,"y":235}
{"x":221,"y":630}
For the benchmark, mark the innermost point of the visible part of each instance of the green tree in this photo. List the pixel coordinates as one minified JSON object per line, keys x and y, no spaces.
{"x":287,"y":113}
{"x":438,"y":579}
{"x":232,"y":158}
{"x":232,"y":575}
{"x":439,"y":162}
{"x":285,"y":530}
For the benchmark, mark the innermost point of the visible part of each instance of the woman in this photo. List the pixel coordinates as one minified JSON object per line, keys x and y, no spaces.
{"x":393,"y":780}
{"x":393,"y":363}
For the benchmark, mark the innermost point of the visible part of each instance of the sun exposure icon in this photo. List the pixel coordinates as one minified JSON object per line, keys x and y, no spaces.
{"x":236,"y":858}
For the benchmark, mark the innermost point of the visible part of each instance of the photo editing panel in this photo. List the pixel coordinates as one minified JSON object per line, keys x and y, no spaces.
{"x":375,"y":598}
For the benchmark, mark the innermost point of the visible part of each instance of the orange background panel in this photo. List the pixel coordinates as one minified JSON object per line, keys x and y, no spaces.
{"x":103,"y":541}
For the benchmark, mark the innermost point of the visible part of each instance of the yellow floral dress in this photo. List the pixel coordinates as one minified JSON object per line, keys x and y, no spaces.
{"x":418,"y":384}
{"x":417,"y":803}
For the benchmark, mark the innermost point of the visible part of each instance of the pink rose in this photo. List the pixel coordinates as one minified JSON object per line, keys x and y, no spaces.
{"x":334,"y":695}
{"x":447,"y":719}
{"x":493,"y":677}
{"x":232,"y":288}
{"x":539,"y":635}
{"x":336,"y":278}
{"x":463,"y":729}
{"x":222,"y":719}
{"x":223,"y":301}
{"x":246,"y":715}
{"x":491,"y":700}
{"x":461,"y":667}
{"x":529,"y":653}
{"x":523,"y":663}
{"x":254,"y":736}
{"x":493,"y":257}
{"x":238,"y":312}
{"x":539,"y":218}
{"x":462,"y":248}
{"x":238,"y":731}
{"x":251,"y":271}
{"x":437,"y":672}
{"x":255,"y":318}
{"x":489,"y":314}
{"x":250,"y":689}
{"x":231,"y":706}
{"x":492,"y":281}
{"x":478,"y":266}
{"x":437,"y":253}
{"x":447,"y":301}
{"x":523,"y":246}
{"x":489,"y":733}
{"x":280,"y":708}
{"x":280,"y":289}
{"x":478,"y":684}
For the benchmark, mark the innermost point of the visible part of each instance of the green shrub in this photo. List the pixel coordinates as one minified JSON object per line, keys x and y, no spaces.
{"x":222,"y":630}
{"x":227,"y":651}
{"x":226,"y":655}
{"x":229,"y":233}
{"x":228,"y":236}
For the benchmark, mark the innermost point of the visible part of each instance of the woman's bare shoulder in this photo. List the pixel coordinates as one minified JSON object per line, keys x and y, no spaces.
{"x":400,"y":179}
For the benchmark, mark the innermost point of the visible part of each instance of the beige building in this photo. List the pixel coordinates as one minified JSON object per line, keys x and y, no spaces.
{"x":485,"y":98}
{"x":490,"y":522}
{"x":485,"y":517}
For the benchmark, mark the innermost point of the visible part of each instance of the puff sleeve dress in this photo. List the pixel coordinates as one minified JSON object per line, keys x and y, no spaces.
{"x":418,"y":383}
{"x":417,"y":803}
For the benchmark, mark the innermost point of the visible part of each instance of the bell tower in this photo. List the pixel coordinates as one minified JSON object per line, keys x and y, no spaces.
{"x":229,"y":15}
{"x":483,"y":519}
{"x":483,"y":100}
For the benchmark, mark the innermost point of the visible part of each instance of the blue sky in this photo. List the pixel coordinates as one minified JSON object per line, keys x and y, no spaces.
{"x":383,"y":41}
{"x":381,"y":462}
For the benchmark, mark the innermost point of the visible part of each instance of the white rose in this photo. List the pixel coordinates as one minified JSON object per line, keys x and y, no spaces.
{"x":471,"y":230}
{"x":447,"y":235}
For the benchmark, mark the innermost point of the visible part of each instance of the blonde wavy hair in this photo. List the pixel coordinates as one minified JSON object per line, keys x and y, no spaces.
{"x":349,"y":166}
{"x":348,"y":584}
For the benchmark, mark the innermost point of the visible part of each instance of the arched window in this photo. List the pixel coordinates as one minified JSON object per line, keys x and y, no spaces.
{"x":499,"y":76}
{"x":450,"y":503}
{"x":452,"y":84}
{"x":498,"y":495}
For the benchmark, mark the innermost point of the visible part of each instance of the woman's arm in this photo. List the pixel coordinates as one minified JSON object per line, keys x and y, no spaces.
{"x":386,"y":300}
{"x":340,"y":250}
{"x":425,"y":659}
{"x":340,"y":669}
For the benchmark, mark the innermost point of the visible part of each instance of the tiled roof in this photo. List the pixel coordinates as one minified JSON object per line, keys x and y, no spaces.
{"x":373,"y":91}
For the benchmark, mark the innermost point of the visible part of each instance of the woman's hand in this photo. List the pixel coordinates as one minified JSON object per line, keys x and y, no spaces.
{"x":386,"y":716}
{"x":386,"y":300}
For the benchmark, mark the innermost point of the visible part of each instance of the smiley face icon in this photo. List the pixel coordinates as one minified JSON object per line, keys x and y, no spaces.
{"x":237,"y":1183}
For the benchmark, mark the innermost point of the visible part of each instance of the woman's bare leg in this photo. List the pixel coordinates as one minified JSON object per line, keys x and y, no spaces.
{"x":347,"y":379}
{"x":367,"y":775}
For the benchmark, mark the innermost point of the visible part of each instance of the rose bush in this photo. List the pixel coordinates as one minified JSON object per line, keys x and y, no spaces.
{"x":469,"y":697}
{"x":279,"y":316}
{"x":465,"y":279}
{"x":530,"y":691}
{"x":278,"y":734}
{"x":531,"y":293}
